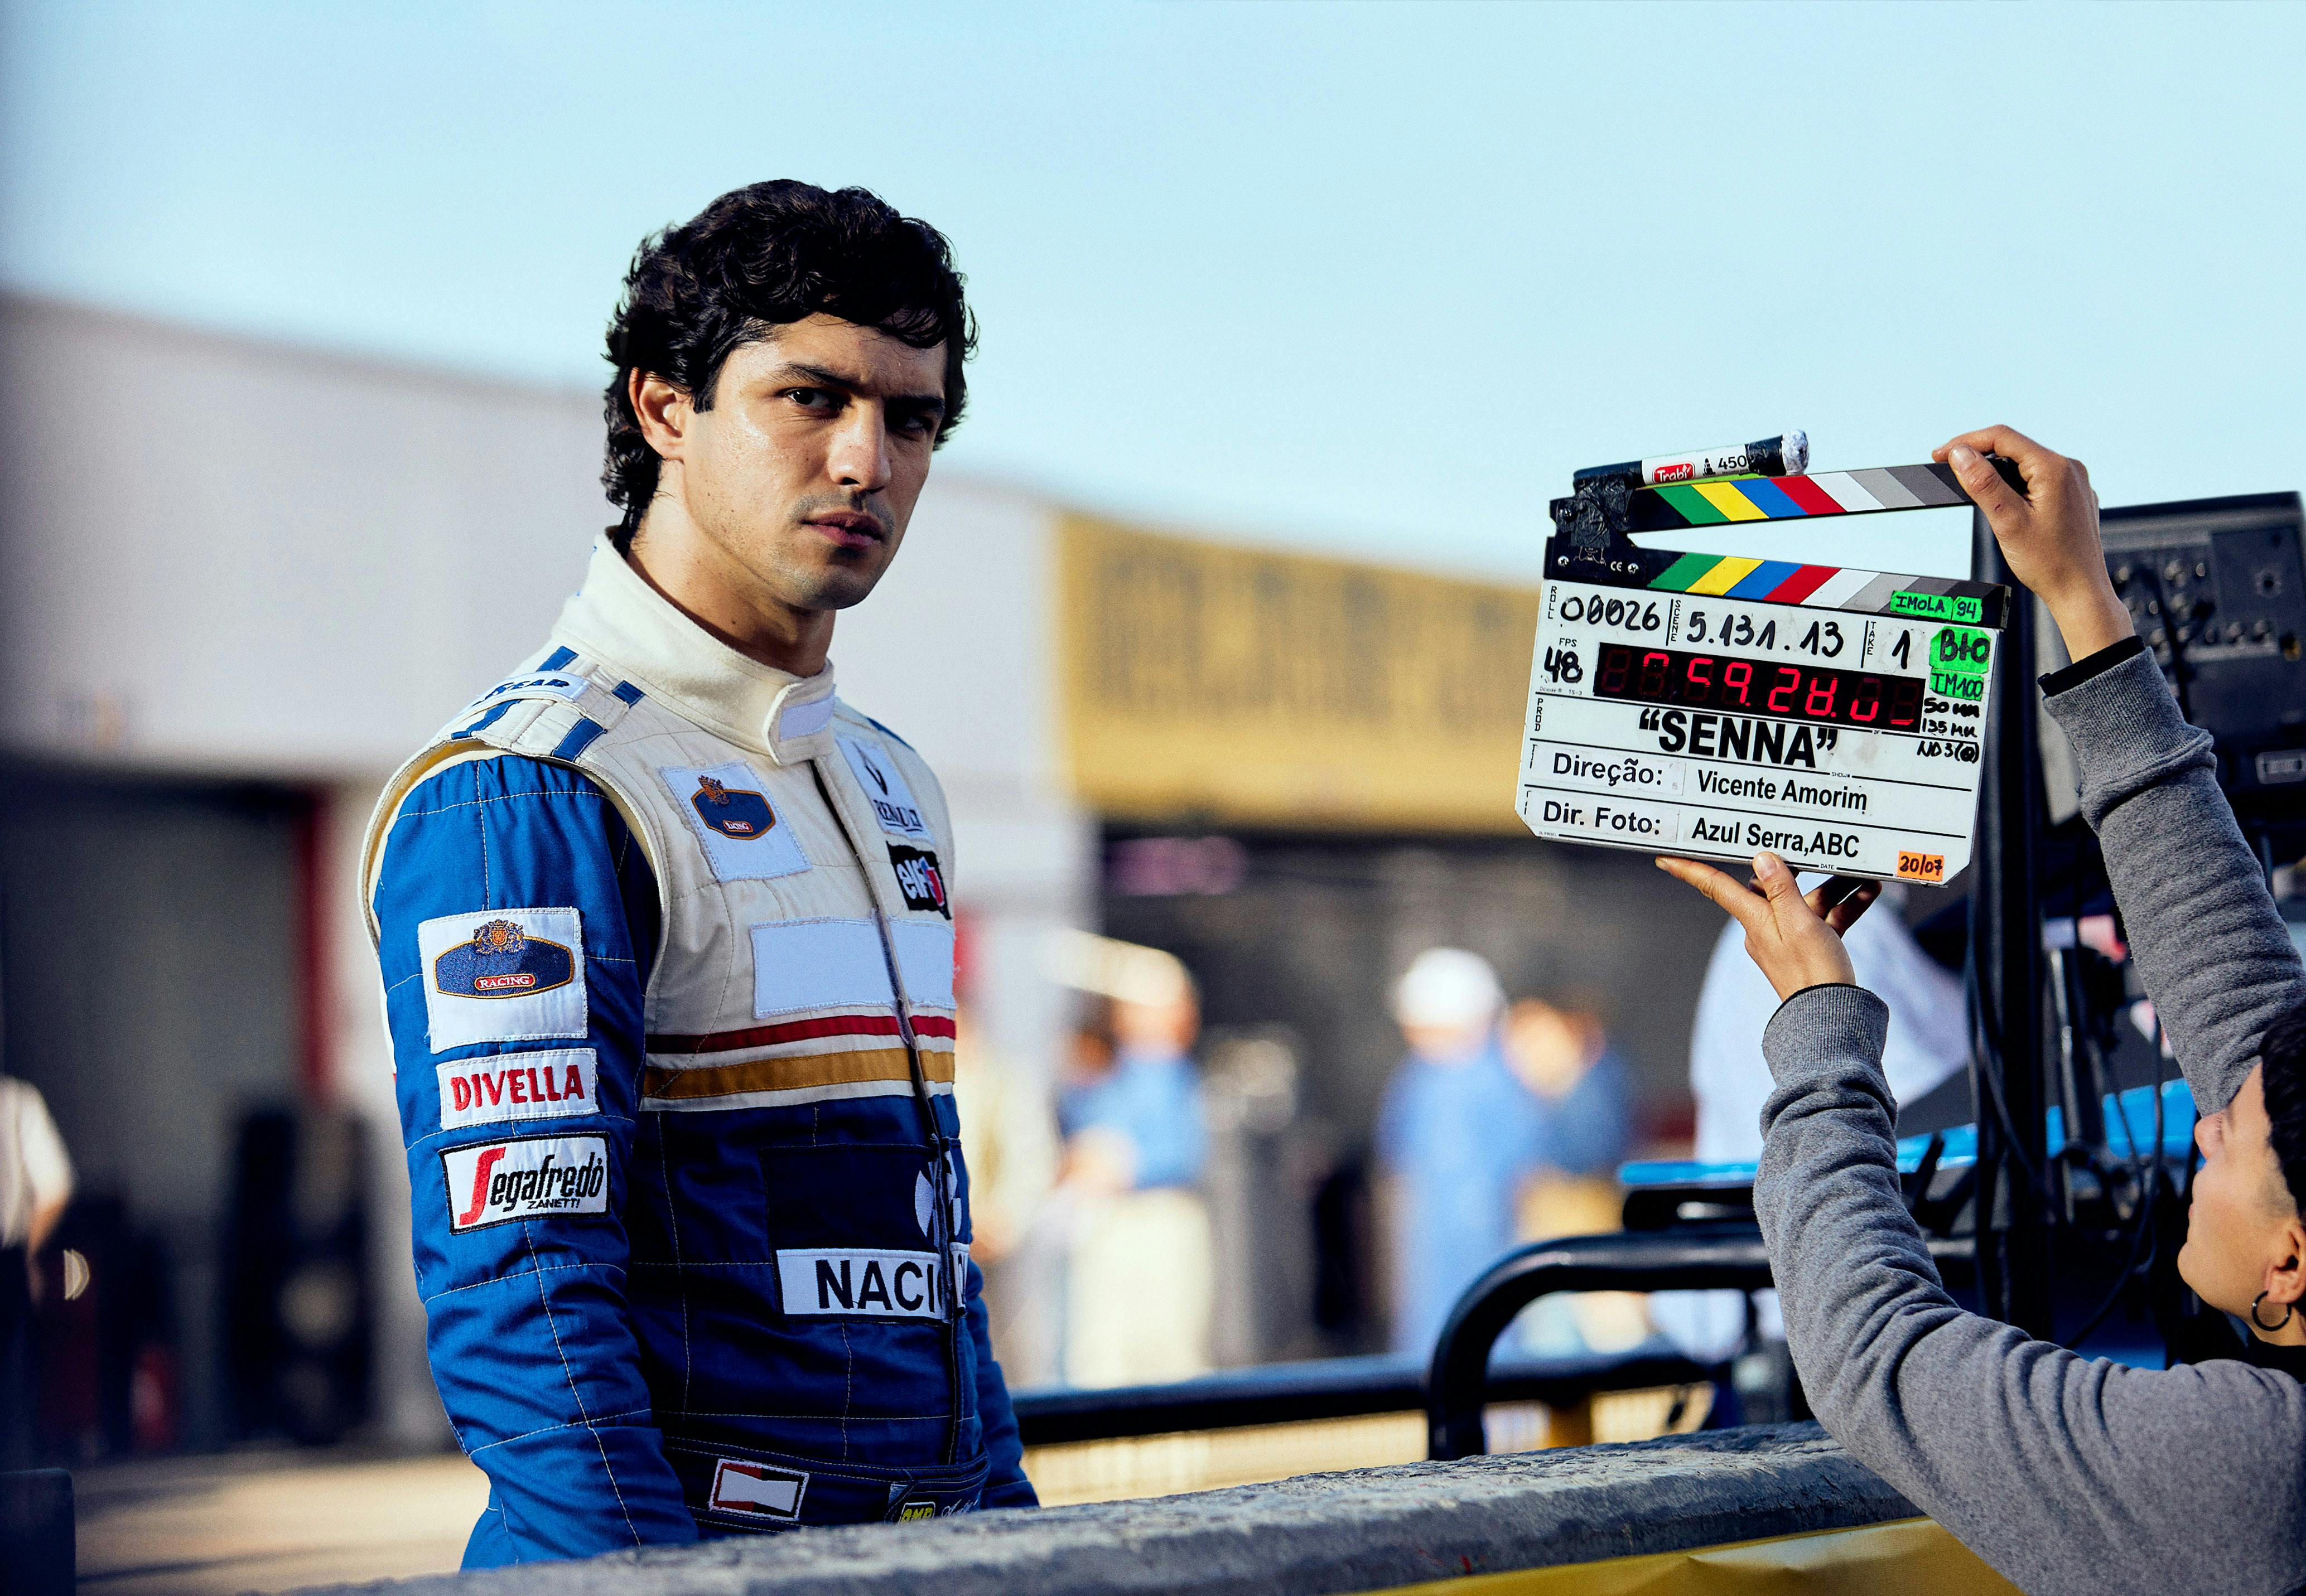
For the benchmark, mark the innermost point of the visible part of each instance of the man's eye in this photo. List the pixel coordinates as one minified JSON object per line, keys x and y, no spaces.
{"x":812,"y":398}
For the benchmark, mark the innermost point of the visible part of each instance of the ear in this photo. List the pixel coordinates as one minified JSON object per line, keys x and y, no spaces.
{"x":663,"y":409}
{"x":2285,"y":1277}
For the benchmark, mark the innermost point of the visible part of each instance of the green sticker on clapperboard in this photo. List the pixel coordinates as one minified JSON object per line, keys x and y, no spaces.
{"x":1937,"y":606}
{"x":1959,"y":657}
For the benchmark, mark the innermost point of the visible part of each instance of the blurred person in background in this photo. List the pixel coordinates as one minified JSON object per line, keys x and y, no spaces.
{"x":1929,"y":1045}
{"x":668,"y":957}
{"x":1142,"y":1273}
{"x":1009,"y":1139}
{"x":1457,"y":1134}
{"x":36,"y":1183}
{"x":1561,"y":1053}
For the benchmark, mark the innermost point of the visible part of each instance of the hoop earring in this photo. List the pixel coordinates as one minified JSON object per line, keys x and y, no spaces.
{"x":2288,"y":1309}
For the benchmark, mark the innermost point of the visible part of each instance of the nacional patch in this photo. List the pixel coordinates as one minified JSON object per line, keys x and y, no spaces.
{"x":884,"y":786}
{"x":756,"y":1488}
{"x":921,"y":878}
{"x":734,"y":820}
{"x":860,"y":1283}
{"x":503,"y":974}
{"x":519,"y":1086}
{"x":529,"y":1177}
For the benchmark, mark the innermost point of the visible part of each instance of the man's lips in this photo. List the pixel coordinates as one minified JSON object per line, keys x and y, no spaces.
{"x":848,"y":529}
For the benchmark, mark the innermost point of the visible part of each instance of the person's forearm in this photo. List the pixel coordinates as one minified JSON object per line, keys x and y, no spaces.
{"x":2090,"y":617}
{"x":45,"y":1221}
{"x":1846,"y":1256}
{"x":2208,"y":943}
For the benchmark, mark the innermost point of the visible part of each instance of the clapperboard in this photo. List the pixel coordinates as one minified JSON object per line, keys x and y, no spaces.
{"x":1714,"y":706}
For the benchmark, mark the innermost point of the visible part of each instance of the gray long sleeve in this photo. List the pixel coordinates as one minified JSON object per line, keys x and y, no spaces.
{"x":2065,"y":1474}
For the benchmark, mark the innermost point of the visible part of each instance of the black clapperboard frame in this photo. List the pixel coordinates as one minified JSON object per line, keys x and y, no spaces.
{"x":1714,"y":706}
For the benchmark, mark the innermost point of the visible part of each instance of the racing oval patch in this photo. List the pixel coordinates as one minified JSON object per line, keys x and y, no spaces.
{"x":732,"y":812}
{"x":735,"y":821}
{"x":502,"y":975}
{"x":525,"y":1177}
{"x":502,"y":959}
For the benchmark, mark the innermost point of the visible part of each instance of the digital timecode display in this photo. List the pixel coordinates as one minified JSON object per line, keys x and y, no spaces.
{"x":1884,"y":703}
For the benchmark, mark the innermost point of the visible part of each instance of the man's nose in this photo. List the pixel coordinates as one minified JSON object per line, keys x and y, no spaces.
{"x":860,"y":459}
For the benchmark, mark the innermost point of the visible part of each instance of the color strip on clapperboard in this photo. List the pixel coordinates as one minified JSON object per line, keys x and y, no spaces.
{"x":1794,"y":498}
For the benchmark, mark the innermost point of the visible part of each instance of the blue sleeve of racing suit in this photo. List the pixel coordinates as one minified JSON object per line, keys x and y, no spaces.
{"x":525,"y":1321}
{"x":1005,"y":1486}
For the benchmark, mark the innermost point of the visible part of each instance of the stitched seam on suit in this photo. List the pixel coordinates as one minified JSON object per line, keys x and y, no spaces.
{"x":541,"y":1269}
{"x":488,"y":893}
{"x":547,"y":796}
{"x":848,"y":1388}
{"x":607,"y":1467}
{"x":672,"y":1220}
{"x":541,"y":1119}
{"x":591,"y":1424}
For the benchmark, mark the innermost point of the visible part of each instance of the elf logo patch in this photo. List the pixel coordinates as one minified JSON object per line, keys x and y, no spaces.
{"x":921,"y":878}
{"x":733,"y":812}
{"x":519,"y":1086}
{"x":501,"y":959}
{"x":529,"y":1177}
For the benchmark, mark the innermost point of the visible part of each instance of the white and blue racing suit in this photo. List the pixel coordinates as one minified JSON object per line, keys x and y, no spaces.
{"x":668,"y":966}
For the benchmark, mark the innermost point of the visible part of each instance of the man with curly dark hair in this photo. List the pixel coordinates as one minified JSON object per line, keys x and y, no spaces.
{"x":669,"y":956}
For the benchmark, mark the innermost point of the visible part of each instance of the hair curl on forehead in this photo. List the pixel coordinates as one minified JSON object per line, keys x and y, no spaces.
{"x":2282,"y":1060}
{"x":757,"y":259}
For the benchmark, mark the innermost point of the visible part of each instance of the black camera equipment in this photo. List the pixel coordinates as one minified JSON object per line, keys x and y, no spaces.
{"x":2217,"y":591}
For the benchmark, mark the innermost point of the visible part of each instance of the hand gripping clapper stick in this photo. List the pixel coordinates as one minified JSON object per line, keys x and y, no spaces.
{"x":1714,"y":706}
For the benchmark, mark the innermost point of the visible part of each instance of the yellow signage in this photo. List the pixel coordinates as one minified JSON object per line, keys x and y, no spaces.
{"x":1908,"y":1557}
{"x":1202,"y":682}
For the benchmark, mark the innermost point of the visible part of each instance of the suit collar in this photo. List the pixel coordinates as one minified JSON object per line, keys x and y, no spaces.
{"x":619,"y":620}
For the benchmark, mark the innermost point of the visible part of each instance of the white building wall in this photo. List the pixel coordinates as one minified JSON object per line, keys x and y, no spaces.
{"x":231,"y":557}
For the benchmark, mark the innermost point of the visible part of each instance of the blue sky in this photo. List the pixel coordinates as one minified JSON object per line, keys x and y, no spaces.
{"x":1373,"y":278}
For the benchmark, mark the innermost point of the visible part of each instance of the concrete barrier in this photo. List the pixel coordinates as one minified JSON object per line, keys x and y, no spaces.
{"x":1319,"y":1535}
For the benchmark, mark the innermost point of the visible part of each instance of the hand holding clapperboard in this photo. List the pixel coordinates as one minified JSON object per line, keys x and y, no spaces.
{"x":1718,"y":706}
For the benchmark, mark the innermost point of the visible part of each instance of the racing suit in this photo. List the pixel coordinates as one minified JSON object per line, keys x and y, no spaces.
{"x":668,"y":968}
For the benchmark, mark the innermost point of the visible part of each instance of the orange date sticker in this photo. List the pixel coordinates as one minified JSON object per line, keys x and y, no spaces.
{"x":1921,"y":867}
